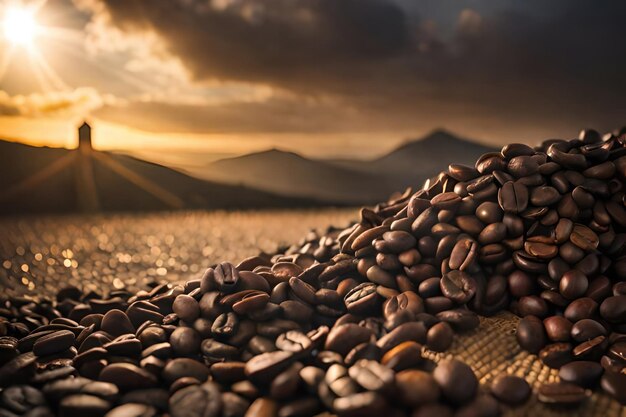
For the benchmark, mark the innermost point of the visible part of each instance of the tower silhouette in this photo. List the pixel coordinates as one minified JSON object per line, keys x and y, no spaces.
{"x":84,"y":136}
{"x":86,"y":192}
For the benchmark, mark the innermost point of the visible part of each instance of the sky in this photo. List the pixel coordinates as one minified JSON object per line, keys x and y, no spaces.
{"x":327,"y":78}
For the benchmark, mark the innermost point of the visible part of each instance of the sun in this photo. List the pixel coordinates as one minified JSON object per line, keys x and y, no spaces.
{"x":20,"y":26}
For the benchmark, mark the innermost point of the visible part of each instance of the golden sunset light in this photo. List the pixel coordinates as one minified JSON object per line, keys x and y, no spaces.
{"x":19,"y":26}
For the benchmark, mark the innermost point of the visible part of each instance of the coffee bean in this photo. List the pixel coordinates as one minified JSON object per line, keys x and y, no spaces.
{"x":613,"y":309}
{"x":562,"y":393}
{"x":226,"y":277}
{"x":362,"y":299}
{"x":556,"y":355}
{"x":79,"y":405}
{"x":127,"y":376}
{"x":360,"y":404}
{"x":184,"y":367}
{"x":458,"y":286}
{"x":513,"y":197}
{"x":196,"y":401}
{"x":52,"y":343}
{"x":510,"y":389}
{"x":439,"y":337}
{"x":530,"y":334}
{"x":265,"y":366}
{"x":416,"y":387}
{"x":573,"y":284}
{"x":456,"y":380}
{"x":186,"y":308}
{"x":558,"y":328}
{"x":587,"y":329}
{"x":583,"y":373}
{"x":614,"y":384}
{"x":371,"y":375}
{"x":185,"y":341}
{"x":343,"y":338}
{"x":133,"y":410}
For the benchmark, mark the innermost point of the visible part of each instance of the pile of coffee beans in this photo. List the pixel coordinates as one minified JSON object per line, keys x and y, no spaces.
{"x":341,"y":322}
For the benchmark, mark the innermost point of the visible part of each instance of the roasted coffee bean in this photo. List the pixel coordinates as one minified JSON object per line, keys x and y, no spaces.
{"x":196,"y":401}
{"x":583,"y":373}
{"x":562,"y":393}
{"x":371,"y":375}
{"x":614,"y":383}
{"x":343,"y":338}
{"x":513,"y":197}
{"x":530,"y":334}
{"x":510,"y":389}
{"x":587,"y":329}
{"x":116,"y":323}
{"x":186,"y":308}
{"x":133,"y":410}
{"x":573,"y":284}
{"x":456,"y":380}
{"x":127,"y":376}
{"x":52,"y":343}
{"x":458,"y":286}
{"x":613,"y":309}
{"x":226,"y":277}
{"x":262,"y":368}
{"x":416,"y":387}
{"x":556,"y":355}
{"x":362,"y":299}
{"x":79,"y":405}
{"x":558,"y":328}
{"x":439,"y":337}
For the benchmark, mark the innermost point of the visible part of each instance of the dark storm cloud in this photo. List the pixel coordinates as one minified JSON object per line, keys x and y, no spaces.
{"x":559,"y":65}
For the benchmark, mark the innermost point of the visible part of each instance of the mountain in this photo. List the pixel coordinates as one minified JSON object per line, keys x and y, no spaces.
{"x":34,"y":180}
{"x":346,"y":180}
{"x":292,"y":174}
{"x":415,"y":161}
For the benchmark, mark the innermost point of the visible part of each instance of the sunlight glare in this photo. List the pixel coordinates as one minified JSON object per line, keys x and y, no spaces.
{"x":20,"y":26}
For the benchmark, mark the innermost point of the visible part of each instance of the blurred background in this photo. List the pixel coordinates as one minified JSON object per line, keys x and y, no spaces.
{"x":134,"y":105}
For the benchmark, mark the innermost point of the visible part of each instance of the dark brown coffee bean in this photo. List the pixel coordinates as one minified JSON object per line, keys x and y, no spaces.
{"x":613,"y":309}
{"x":293,"y":341}
{"x":116,"y":323}
{"x":614,"y":384}
{"x":343,"y":338}
{"x":262,"y":368}
{"x":456,"y":380}
{"x":52,"y":343}
{"x":127,"y":376}
{"x":186,"y":308}
{"x":371,"y":375}
{"x":411,"y":331}
{"x":530,"y":334}
{"x":510,"y":389}
{"x":458,"y":286}
{"x":556,"y":355}
{"x":439,"y":337}
{"x":185,"y":341}
{"x":532,"y":305}
{"x":544,"y":196}
{"x":79,"y":405}
{"x":584,"y":237}
{"x":513,"y":197}
{"x":582,"y":308}
{"x":562,"y":393}
{"x":184,"y":367}
{"x":360,"y":404}
{"x":558,"y":328}
{"x":416,"y":387}
{"x":133,"y":410}
{"x":587,"y":329}
{"x":202,"y":400}
{"x":583,"y":373}
{"x":18,"y":370}
{"x":362,"y":299}
{"x":403,"y":356}
{"x":226,"y":277}
{"x":573,"y":284}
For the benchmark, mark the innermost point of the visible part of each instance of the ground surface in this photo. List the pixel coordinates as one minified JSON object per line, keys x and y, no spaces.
{"x":40,"y":254}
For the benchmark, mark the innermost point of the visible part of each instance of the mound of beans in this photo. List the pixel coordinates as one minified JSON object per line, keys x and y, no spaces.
{"x":340,"y":322}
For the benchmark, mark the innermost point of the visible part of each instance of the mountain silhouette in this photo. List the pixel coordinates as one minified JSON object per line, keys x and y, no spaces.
{"x":290,"y":173}
{"x":347,"y":180}
{"x":41,"y":179}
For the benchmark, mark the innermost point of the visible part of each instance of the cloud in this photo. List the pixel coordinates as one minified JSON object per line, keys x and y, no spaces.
{"x":557,"y":65}
{"x":78,"y":103}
